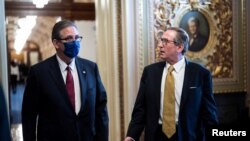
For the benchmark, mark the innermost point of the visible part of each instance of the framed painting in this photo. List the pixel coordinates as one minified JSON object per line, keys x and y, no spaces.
{"x":197,"y":27}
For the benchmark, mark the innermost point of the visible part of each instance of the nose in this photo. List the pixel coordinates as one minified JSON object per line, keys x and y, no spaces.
{"x":160,"y":44}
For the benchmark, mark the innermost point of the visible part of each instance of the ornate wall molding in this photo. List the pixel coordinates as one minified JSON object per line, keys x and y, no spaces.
{"x":120,"y":66}
{"x":140,"y":19}
{"x":150,"y":27}
{"x":248,"y":51}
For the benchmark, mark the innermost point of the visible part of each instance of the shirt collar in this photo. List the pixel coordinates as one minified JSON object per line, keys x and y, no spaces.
{"x":178,"y":66}
{"x":63,"y":65}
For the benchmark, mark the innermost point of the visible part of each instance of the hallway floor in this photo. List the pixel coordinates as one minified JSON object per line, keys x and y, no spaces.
{"x":16,"y":99}
{"x":16,"y":132}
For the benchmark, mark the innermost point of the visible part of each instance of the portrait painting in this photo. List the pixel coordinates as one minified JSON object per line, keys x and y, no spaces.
{"x":196,"y":25}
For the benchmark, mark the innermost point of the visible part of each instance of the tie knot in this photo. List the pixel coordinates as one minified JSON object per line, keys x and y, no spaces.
{"x":170,"y":69}
{"x":68,"y":68}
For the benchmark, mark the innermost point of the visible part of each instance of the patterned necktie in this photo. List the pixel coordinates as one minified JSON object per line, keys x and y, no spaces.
{"x":168,"y":119}
{"x":70,"y":87}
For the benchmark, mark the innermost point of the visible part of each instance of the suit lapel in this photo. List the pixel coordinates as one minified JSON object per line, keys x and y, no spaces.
{"x":185,"y":88}
{"x":56,"y":75}
{"x":82,"y":74}
{"x":158,"y":76}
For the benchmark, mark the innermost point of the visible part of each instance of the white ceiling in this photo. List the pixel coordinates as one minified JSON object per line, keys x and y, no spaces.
{"x":40,"y":33}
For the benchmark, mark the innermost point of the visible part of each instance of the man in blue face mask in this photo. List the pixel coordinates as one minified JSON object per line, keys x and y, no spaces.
{"x":64,"y":98}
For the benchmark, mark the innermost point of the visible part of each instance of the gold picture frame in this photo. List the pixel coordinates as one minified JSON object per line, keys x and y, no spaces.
{"x":208,"y":26}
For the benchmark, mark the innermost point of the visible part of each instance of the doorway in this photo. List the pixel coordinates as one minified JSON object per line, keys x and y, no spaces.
{"x":22,"y":54}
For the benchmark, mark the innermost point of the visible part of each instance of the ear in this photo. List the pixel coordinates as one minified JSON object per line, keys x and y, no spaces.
{"x":180,"y":48}
{"x":55,"y":43}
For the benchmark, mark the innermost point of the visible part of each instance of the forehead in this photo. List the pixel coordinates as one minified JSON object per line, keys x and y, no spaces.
{"x":169,"y":34}
{"x":191,"y":23}
{"x":70,"y":30}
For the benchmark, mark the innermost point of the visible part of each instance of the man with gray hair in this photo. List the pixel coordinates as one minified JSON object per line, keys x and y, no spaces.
{"x":175,"y":99}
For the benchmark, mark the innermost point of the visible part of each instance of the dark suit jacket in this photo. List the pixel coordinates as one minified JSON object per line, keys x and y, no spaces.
{"x":4,"y":122}
{"x":46,"y":104}
{"x":199,"y":43}
{"x":197,"y":107}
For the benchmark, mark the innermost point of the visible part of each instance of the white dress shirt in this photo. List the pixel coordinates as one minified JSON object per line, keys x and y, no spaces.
{"x":178,"y":73}
{"x":74,"y":73}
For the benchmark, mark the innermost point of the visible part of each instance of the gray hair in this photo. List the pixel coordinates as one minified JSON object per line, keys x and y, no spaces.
{"x":195,"y":20}
{"x":59,"y":26}
{"x":181,"y":38}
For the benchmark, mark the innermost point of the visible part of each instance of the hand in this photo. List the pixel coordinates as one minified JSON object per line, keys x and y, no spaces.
{"x":129,"y":139}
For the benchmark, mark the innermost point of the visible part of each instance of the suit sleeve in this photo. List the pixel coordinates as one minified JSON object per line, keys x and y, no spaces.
{"x":209,"y":110}
{"x":137,"y":122}
{"x":30,"y":107}
{"x":102,"y":119}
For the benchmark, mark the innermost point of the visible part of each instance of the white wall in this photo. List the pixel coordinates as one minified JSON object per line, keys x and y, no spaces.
{"x":3,"y":53}
{"x":88,"y":44}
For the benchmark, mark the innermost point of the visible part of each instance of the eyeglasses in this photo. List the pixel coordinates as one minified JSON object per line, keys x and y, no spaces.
{"x":166,"y":41}
{"x":71,"y":38}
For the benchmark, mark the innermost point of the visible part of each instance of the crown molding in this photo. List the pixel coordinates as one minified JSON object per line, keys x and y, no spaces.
{"x":76,"y":11}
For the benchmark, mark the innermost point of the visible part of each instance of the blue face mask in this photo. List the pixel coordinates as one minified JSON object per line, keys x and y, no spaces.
{"x":72,"y":48}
